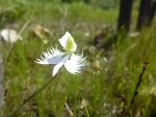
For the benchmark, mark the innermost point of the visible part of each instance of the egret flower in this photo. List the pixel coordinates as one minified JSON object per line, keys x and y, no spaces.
{"x":74,"y":63}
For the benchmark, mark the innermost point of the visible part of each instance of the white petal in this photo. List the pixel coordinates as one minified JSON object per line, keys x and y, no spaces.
{"x":57,"y":67}
{"x":68,"y":43}
{"x":52,"y":56}
{"x":75,"y":64}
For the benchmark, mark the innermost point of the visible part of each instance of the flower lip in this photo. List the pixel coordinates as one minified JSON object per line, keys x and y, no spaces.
{"x":68,"y":43}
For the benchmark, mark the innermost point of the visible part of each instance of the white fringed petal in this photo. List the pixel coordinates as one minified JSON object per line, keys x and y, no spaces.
{"x":67,"y":42}
{"x":75,"y":64}
{"x":52,"y":56}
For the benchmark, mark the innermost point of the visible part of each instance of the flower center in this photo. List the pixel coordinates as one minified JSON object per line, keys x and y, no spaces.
{"x":69,"y":47}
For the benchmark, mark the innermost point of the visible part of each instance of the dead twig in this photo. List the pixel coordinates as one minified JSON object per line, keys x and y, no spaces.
{"x":138,"y":84}
{"x":68,"y":109}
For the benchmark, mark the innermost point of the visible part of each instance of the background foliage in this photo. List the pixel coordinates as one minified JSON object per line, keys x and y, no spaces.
{"x":108,"y":82}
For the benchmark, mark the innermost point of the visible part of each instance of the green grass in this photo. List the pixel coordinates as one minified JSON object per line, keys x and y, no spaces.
{"x":101,"y":84}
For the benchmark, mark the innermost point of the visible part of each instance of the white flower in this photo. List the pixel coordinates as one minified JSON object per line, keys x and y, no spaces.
{"x":74,"y":63}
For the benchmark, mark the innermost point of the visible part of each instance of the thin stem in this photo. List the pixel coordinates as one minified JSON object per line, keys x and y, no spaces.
{"x":33,"y":95}
{"x":12,"y":45}
{"x":75,"y":78}
{"x":85,"y":106}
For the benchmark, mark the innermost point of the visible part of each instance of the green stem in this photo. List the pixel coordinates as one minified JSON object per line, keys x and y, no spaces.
{"x":34,"y":94}
{"x":12,"y":45}
{"x":75,"y":78}
{"x":85,"y":106}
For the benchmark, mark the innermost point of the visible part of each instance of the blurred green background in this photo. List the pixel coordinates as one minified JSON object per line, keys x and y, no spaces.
{"x":108,"y":82}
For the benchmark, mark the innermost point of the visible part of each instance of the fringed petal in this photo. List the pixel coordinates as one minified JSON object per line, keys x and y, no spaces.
{"x":75,"y":64}
{"x":52,"y":56}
